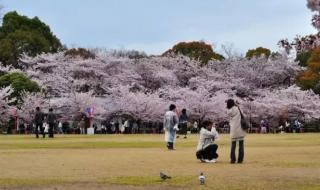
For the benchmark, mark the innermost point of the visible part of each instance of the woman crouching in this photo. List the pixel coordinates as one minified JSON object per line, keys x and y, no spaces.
{"x":206,"y":149}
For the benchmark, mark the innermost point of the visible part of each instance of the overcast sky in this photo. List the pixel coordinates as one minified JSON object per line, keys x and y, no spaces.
{"x":154,"y":26}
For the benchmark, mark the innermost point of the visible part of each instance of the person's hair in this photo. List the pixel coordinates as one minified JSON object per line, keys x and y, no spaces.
{"x":50,"y":109}
{"x":205,"y":124}
{"x":184,"y":111}
{"x":37,"y":108}
{"x":230,"y":103}
{"x":172,"y":107}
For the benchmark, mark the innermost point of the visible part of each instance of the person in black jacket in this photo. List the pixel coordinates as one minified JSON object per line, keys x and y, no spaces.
{"x":183,"y":123}
{"x":51,"y":120}
{"x":38,"y":120}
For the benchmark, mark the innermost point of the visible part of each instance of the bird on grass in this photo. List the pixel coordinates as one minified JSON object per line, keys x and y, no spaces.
{"x":164,"y":176}
{"x":201,"y":179}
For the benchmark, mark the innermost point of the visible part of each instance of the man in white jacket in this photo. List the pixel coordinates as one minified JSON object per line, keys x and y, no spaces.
{"x":170,"y":126}
{"x":206,"y":149}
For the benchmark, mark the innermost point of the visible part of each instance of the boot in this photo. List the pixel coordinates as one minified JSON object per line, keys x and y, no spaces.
{"x":168,"y":145}
{"x":171,"y":146}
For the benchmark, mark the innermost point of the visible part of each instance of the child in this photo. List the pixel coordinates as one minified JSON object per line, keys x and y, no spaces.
{"x":206,"y":149}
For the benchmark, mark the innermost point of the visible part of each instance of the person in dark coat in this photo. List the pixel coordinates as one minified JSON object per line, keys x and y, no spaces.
{"x":183,"y":123}
{"x":51,"y":120}
{"x":38,"y":120}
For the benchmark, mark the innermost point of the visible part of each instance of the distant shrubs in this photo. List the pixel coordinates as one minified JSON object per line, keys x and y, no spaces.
{"x":80,"y":52}
{"x":131,"y":54}
{"x":258,"y":52}
{"x":195,"y":50}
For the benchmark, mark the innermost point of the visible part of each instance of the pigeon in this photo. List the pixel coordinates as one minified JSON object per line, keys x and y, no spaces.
{"x":164,"y":176}
{"x":201,"y":179}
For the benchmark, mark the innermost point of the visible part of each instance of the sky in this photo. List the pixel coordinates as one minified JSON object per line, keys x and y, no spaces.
{"x":153,"y":26}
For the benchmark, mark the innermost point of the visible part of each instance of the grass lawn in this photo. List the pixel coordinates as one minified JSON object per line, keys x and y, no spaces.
{"x":272,"y":162}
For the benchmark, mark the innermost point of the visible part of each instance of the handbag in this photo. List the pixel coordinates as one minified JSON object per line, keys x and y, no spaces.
{"x":244,"y":123}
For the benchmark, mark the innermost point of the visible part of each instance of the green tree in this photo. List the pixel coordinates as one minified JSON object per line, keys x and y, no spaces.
{"x":310,"y":79}
{"x":258,"y":52}
{"x":20,"y":34}
{"x":196,"y":50}
{"x":303,"y":58}
{"x":20,"y":83}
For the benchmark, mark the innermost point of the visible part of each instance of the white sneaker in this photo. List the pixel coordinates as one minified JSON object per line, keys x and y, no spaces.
{"x":211,"y":161}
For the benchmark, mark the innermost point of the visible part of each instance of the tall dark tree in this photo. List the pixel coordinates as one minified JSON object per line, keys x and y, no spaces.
{"x":20,"y":34}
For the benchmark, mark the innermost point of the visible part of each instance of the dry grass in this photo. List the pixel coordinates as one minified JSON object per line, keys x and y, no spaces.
{"x":288,"y":161}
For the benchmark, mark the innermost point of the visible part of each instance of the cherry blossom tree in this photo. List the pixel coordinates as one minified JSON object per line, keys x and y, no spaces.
{"x":200,"y":103}
{"x":140,"y":105}
{"x":29,"y":104}
{"x":5,"y":101}
{"x":271,"y":104}
{"x":309,"y":42}
{"x":313,"y":5}
{"x":145,"y":87}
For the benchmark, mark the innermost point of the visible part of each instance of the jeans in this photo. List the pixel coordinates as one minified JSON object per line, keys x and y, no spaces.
{"x":233,"y":151}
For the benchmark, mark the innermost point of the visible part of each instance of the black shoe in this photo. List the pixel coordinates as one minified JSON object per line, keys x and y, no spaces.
{"x":232,"y":162}
{"x":185,"y":137}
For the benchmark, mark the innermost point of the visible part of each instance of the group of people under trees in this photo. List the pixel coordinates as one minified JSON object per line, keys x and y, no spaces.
{"x":46,"y":123}
{"x":284,"y":127}
{"x":173,"y":122}
{"x":291,"y":127}
{"x":40,"y":118}
{"x":207,"y":149}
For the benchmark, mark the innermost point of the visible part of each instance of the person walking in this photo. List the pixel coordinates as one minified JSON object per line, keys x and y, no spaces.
{"x":183,"y":123}
{"x":206,"y":149}
{"x":237,"y":134}
{"x":82,"y":126}
{"x":51,"y":120}
{"x":263,"y":127}
{"x":170,"y":126}
{"x":195,"y":127}
{"x":134,"y":127}
{"x":38,"y":120}
{"x":296,"y":126}
{"x":287,"y":127}
{"x":60,"y":127}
